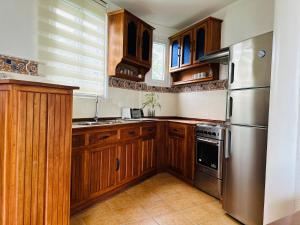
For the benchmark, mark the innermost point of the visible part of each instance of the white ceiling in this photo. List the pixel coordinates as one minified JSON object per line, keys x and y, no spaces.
{"x":172,"y":13}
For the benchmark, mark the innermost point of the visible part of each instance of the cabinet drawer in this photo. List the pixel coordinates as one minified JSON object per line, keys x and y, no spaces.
{"x":177,"y":129}
{"x":149,"y":130}
{"x":103,"y":137}
{"x":78,"y":140}
{"x":129,"y":133}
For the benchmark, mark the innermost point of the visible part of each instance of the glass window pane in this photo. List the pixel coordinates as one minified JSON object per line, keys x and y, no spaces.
{"x":158,"y":61}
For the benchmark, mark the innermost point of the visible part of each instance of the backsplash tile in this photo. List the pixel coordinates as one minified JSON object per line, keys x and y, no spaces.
{"x":18,"y":65}
{"x":195,"y":87}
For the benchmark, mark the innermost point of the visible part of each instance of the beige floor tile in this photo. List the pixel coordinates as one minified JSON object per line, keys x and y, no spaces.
{"x":158,"y":208}
{"x":173,"y":219}
{"x":143,"y":222}
{"x":160,"y":200}
{"x":128,"y":215}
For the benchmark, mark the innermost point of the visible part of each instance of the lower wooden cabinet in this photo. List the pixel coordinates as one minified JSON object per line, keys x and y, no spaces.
{"x":131,"y":152}
{"x":35,"y":153}
{"x":176,"y":152}
{"x":101,"y":168}
{"x":181,"y":150}
{"x":78,"y":193}
{"x":128,"y":161}
{"x":148,"y":154}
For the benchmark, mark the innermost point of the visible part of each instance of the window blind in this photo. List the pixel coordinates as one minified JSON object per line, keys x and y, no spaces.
{"x":72,"y":36}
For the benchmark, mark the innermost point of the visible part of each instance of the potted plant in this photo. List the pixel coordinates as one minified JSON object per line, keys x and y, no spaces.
{"x":151,"y":102}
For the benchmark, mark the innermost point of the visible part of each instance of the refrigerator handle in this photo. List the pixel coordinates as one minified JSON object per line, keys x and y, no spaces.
{"x":229,"y":106}
{"x":228,"y":143}
{"x":231,"y":73}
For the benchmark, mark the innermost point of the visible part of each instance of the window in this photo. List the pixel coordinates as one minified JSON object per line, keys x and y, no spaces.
{"x":72,"y":36}
{"x":158,"y":61}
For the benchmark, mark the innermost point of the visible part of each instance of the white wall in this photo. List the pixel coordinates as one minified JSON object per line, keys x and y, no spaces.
{"x":18,"y":28}
{"x":282,"y":176}
{"x":204,"y":105}
{"x":244,"y":19}
{"x":118,"y":98}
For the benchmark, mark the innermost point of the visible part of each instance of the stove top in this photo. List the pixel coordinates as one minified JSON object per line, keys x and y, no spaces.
{"x":210,"y":130}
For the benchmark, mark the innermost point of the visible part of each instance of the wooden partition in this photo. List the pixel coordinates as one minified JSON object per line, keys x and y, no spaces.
{"x":35,"y":153}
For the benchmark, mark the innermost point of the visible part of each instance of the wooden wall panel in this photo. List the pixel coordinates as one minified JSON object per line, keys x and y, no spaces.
{"x":35,"y":155}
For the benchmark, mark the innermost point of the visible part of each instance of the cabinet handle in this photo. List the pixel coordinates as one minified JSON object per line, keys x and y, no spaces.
{"x":117,"y":164}
{"x":104,"y":137}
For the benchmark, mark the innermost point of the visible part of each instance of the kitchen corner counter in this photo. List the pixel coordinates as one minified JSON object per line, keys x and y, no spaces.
{"x":119,"y":122}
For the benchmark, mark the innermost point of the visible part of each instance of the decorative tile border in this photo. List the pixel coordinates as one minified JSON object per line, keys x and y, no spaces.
{"x":29,"y":67}
{"x":195,"y":87}
{"x":17,"y":65}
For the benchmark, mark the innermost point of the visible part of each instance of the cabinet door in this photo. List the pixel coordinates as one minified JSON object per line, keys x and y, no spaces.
{"x":200,"y":42}
{"x":146,"y":45}
{"x":148,"y":154}
{"x":174,"y":53}
{"x":102,"y":169}
{"x":78,"y":193}
{"x":132,"y":37}
{"x":186,"y":50}
{"x":128,"y":161}
{"x":176,"y":153}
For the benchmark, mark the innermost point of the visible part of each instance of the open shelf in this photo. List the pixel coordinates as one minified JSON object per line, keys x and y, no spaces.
{"x":192,"y":81}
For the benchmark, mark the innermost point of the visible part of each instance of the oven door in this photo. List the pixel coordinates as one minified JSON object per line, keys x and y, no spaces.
{"x":209,"y":155}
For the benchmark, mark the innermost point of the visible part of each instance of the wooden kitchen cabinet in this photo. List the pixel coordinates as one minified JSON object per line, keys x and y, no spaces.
{"x":174,"y":53}
{"x":129,"y":46}
{"x":106,"y":159}
{"x":191,"y":44}
{"x":109,"y":158}
{"x":101,"y":168}
{"x":35,"y":153}
{"x":187,"y":48}
{"x":128,"y":161}
{"x":78,"y":192}
{"x":181,"y":150}
{"x":176,"y":151}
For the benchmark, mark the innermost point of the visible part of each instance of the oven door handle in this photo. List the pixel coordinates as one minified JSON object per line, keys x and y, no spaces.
{"x":216,"y":142}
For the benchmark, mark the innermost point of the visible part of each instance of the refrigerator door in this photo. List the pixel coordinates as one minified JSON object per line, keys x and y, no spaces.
{"x":245,"y":162}
{"x":248,"y":106}
{"x":250,"y":63}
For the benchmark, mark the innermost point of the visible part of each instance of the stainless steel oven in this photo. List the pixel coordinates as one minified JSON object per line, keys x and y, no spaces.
{"x":209,"y":158}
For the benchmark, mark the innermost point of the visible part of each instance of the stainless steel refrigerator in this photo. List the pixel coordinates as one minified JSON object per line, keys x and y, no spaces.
{"x":247,"y":129}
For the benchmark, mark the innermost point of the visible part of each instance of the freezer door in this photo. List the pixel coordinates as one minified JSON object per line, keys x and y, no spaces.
{"x":244,"y":182}
{"x":250,"y":62}
{"x":248,"y":106}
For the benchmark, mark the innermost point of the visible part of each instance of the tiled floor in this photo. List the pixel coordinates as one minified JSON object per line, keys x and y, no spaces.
{"x":160,"y":200}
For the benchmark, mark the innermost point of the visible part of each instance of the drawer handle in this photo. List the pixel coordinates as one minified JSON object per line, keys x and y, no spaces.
{"x":131,"y":133}
{"x":104,"y":137}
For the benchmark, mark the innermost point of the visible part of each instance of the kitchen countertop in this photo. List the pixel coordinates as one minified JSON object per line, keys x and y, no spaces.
{"x":144,"y":120}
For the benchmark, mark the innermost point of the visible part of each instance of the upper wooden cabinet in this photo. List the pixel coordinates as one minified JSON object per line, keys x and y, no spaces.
{"x":129,"y":46}
{"x":189,"y":45}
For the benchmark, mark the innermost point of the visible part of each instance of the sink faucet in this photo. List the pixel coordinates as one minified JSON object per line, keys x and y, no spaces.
{"x":96,"y":110}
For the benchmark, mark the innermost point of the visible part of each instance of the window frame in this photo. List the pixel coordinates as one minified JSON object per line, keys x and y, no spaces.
{"x":166,"y":82}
